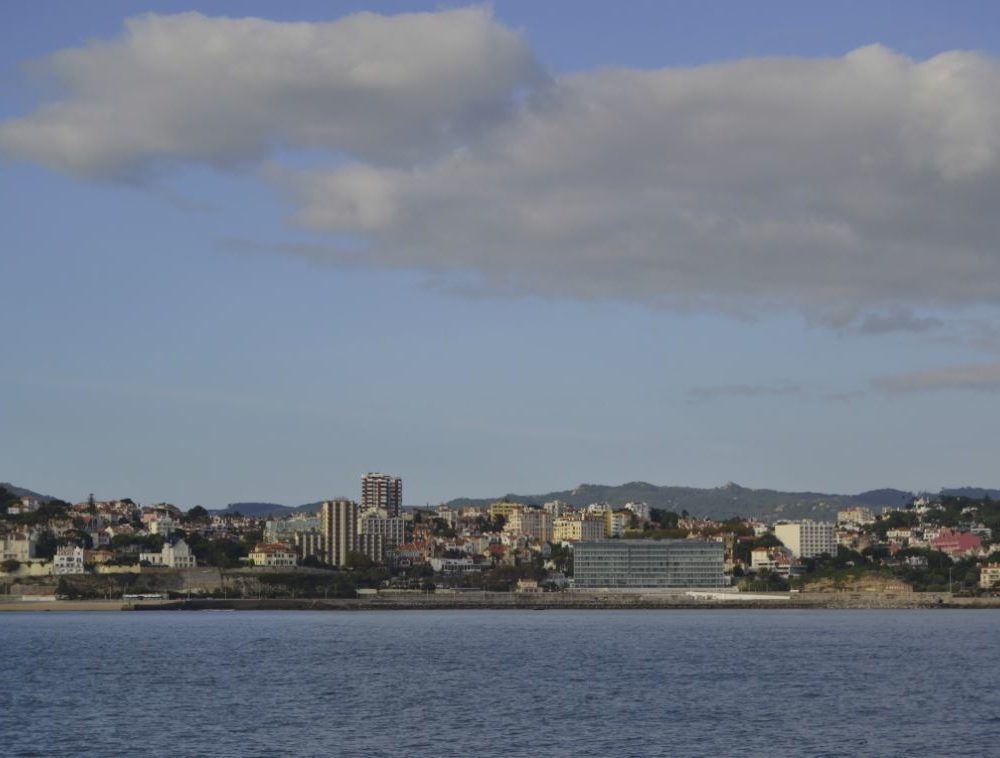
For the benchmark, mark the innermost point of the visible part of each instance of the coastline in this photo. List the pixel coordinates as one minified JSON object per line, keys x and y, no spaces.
{"x":518,"y":601}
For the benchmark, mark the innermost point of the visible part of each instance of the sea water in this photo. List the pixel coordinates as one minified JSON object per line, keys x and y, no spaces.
{"x":501,"y":683}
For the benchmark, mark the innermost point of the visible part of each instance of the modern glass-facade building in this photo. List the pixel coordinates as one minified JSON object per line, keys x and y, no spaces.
{"x":648,"y":563}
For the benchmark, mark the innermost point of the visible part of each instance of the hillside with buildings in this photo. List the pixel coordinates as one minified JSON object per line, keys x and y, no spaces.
{"x":717,"y":502}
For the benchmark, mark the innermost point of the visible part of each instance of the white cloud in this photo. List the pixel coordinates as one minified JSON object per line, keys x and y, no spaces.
{"x":978,"y":377}
{"x":836,"y":186}
{"x":833,"y":185}
{"x":221,"y":91}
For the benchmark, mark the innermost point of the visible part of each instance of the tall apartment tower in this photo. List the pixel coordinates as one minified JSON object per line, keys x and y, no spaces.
{"x":382,"y":491}
{"x":339,"y":527}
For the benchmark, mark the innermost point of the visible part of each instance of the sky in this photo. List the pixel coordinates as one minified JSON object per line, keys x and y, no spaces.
{"x":250,"y":251}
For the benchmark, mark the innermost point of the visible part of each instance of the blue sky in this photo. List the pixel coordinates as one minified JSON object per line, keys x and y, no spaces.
{"x":188,"y":318}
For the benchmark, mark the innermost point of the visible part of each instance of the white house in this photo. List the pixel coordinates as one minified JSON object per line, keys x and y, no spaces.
{"x":176,"y":556}
{"x":68,"y":560}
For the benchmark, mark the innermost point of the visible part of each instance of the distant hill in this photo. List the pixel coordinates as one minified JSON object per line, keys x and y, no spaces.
{"x":885,"y":497}
{"x":265,"y":510}
{"x":717,"y":502}
{"x":976,"y":493}
{"x":22,"y":492}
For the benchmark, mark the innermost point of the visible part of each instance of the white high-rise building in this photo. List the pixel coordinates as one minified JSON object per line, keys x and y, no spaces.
{"x":807,"y":539}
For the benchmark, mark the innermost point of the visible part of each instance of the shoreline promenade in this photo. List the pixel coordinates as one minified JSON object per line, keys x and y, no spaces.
{"x":527,"y":601}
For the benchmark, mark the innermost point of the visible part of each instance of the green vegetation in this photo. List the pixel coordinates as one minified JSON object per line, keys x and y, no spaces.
{"x":54,"y":509}
{"x":139,"y":543}
{"x":45,"y":547}
{"x":938,"y":575}
{"x":197,"y":515}
{"x":221,"y":552}
{"x":7,"y":499}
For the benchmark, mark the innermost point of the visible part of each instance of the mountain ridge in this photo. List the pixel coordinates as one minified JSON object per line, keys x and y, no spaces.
{"x":724,"y":501}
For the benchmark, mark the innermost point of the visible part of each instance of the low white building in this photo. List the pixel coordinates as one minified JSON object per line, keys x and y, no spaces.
{"x":641,"y":510}
{"x":68,"y":560}
{"x":452,"y":565}
{"x":275,"y":555}
{"x":176,"y":556}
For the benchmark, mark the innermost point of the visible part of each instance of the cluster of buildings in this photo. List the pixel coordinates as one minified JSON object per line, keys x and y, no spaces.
{"x":343,"y":530}
{"x":884,"y":536}
{"x":106,"y":536}
{"x":594,"y":546}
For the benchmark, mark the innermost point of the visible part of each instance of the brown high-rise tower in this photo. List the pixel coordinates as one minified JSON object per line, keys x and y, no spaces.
{"x":382,"y":491}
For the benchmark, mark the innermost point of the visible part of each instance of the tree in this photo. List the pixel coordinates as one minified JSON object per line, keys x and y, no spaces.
{"x":7,"y":499}
{"x":666,"y":519}
{"x":77,"y":537}
{"x":358,"y":562}
{"x":10,"y":565}
{"x":46,"y":545}
{"x":197,"y":515}
{"x":768,"y":540}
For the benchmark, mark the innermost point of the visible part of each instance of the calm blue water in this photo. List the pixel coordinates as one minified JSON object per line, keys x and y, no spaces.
{"x":501,"y":683}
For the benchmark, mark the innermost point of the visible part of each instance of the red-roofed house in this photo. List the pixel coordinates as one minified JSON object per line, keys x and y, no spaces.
{"x":956,"y":543}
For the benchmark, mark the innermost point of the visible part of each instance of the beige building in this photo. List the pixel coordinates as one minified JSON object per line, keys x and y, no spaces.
{"x":578,"y":529}
{"x":275,"y":555}
{"x":373,"y":545}
{"x":858,"y":515}
{"x":17,"y":547}
{"x":989,"y":575}
{"x":532,"y":522}
{"x":339,"y":524}
{"x":504,"y":509}
{"x":807,"y":539}
{"x":308,"y":543}
{"x":614,"y":524}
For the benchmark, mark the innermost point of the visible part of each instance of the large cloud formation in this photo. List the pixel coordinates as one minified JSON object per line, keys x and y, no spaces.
{"x":836,"y":186}
{"x":221,"y":91}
